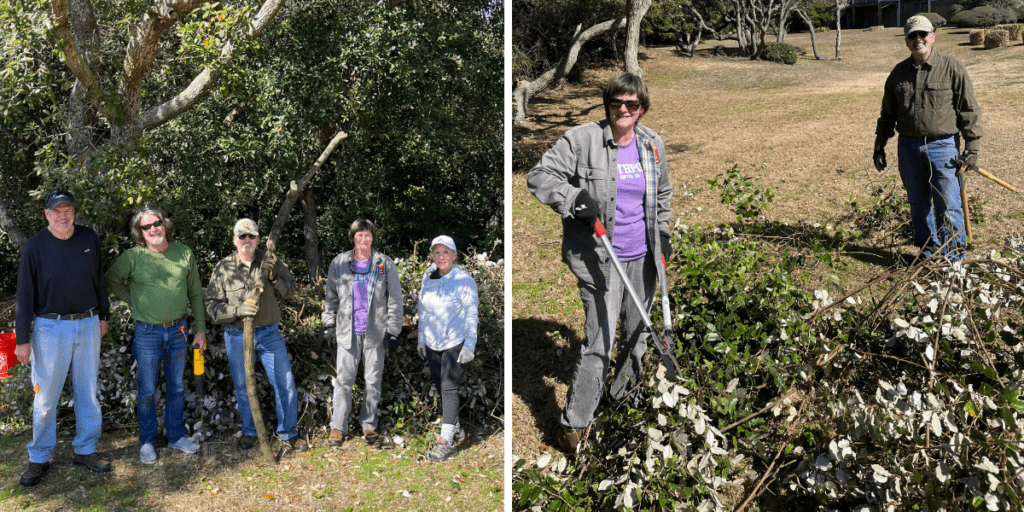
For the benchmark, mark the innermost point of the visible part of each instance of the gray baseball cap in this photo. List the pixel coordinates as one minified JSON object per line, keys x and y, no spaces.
{"x":917,"y":23}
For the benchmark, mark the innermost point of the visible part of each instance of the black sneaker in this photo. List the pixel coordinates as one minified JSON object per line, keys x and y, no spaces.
{"x":247,"y":442}
{"x":34,"y":473}
{"x":93,"y":462}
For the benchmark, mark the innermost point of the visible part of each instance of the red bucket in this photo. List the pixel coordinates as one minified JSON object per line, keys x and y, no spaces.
{"x":7,"y":359}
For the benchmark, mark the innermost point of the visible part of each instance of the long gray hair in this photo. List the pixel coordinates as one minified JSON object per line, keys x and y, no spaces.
{"x":160,"y":214}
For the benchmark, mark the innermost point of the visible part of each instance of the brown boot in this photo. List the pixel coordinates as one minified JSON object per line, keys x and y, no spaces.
{"x":336,"y":439}
{"x":569,"y":439}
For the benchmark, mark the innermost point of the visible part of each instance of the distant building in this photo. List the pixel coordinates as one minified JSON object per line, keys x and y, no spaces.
{"x":891,"y":13}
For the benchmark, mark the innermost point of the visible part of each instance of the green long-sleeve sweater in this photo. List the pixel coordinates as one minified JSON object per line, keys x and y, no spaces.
{"x":158,"y":284}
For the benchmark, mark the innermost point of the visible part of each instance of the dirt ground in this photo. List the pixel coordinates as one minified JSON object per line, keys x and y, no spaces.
{"x":804,"y":131}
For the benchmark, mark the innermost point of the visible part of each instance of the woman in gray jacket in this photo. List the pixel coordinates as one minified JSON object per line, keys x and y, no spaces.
{"x":363,"y":312}
{"x":613,"y":170}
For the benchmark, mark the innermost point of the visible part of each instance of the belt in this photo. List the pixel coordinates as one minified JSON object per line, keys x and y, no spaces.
{"x":72,"y":316}
{"x":165,"y":324}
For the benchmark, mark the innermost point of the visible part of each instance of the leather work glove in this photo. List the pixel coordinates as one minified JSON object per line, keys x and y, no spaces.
{"x":879,"y":158}
{"x":666,"y":246}
{"x":969,"y":160}
{"x":327,"y":333}
{"x":269,"y":262}
{"x":585,"y":208}
{"x":421,"y":349}
{"x":465,"y":356}
{"x":247,"y":309}
{"x":391,"y":342}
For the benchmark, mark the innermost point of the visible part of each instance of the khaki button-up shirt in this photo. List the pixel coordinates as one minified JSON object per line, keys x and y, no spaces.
{"x":231,"y":283}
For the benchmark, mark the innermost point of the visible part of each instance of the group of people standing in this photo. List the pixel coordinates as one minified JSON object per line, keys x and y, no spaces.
{"x":64,"y":308}
{"x":614,"y":170}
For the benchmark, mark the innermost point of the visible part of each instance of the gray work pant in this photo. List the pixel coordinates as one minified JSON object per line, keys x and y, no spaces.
{"x":602,"y":310}
{"x":372,"y":356}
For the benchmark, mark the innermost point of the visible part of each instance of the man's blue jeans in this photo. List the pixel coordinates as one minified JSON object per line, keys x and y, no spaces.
{"x":155,"y":345}
{"x":271,"y":351}
{"x":928,"y":169}
{"x":57,"y":347}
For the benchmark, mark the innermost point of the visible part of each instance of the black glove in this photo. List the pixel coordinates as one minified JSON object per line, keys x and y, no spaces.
{"x":328,"y":333}
{"x":391,"y":342}
{"x":879,"y":158}
{"x":585,"y":208}
{"x":666,"y":246}
{"x":969,"y":160}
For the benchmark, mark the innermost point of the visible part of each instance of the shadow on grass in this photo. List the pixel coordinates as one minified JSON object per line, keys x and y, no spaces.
{"x":537,"y":364}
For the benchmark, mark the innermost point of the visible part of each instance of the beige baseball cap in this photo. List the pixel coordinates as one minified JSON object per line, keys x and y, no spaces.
{"x":247,"y":227}
{"x":917,"y":23}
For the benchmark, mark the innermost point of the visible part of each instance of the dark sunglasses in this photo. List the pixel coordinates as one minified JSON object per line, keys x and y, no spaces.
{"x":631,"y":106}
{"x":247,"y":236}
{"x":147,"y":227}
{"x":918,"y":35}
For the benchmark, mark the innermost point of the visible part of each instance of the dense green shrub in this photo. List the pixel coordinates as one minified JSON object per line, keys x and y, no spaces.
{"x":937,"y":21}
{"x":980,"y":17}
{"x":895,"y":396}
{"x":719,"y":50}
{"x":783,"y":53}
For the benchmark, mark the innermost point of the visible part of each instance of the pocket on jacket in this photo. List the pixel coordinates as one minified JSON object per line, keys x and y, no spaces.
{"x":938,"y":95}
{"x":235,"y":293}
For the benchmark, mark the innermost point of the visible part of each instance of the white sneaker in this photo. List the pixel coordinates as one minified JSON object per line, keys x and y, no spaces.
{"x":186,"y":445}
{"x":147,"y":454}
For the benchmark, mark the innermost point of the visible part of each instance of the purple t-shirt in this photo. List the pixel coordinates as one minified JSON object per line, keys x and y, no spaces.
{"x":630,"y":240}
{"x":360,"y":299}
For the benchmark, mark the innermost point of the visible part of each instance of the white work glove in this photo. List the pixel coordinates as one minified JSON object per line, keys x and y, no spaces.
{"x":465,"y":356}
{"x":422,"y":349}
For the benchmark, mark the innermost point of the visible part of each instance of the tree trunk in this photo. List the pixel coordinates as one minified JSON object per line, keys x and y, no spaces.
{"x":313,"y":261}
{"x":814,"y":43}
{"x":248,"y":334}
{"x":9,"y":227}
{"x":526,"y":90}
{"x":637,"y":10}
{"x":839,"y":29}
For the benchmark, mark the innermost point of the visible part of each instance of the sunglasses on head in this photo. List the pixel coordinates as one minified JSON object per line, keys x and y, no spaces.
{"x":631,"y":106}
{"x":247,"y":236}
{"x":147,"y":227}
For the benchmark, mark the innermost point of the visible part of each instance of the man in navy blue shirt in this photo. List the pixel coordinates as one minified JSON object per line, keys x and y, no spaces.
{"x":62,"y":314}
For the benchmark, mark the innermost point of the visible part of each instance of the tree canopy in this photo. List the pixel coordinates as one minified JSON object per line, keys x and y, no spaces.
{"x":417,"y":86}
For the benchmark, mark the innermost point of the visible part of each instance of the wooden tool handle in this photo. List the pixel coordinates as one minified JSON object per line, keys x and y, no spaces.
{"x":989,"y":175}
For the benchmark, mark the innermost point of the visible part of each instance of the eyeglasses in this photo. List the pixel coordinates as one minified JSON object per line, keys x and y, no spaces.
{"x":247,"y":236}
{"x":918,"y":35}
{"x":147,"y":227}
{"x":631,"y":106}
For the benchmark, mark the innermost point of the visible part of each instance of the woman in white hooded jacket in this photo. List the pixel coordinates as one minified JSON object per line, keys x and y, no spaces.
{"x":447,"y":335}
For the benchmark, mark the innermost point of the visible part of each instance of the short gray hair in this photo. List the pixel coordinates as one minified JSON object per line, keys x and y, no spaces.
{"x":361,"y":225}
{"x":160,"y":214}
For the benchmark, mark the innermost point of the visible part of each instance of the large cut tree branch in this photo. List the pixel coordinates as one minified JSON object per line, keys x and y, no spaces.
{"x":526,"y":90}
{"x":249,"y":328}
{"x":76,"y":61}
{"x":175,"y":106}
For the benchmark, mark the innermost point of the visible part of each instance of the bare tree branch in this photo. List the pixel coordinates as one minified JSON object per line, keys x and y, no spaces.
{"x":526,"y":90}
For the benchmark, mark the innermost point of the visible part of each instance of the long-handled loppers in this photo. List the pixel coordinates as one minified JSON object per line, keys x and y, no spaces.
{"x":663,"y":343}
